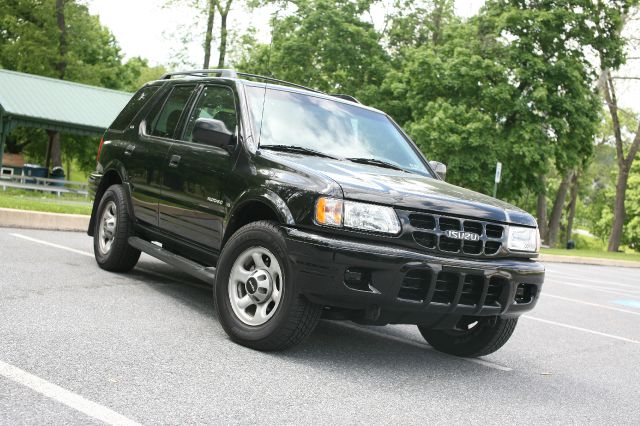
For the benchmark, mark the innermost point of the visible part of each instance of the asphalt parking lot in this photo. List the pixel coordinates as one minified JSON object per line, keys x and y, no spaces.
{"x":79,"y":345}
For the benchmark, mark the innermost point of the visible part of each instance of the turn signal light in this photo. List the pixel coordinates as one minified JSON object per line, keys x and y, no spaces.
{"x":329,"y":211}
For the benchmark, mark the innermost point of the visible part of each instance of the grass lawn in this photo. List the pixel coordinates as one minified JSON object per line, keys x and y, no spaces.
{"x":28,"y":200}
{"x":594,"y":253}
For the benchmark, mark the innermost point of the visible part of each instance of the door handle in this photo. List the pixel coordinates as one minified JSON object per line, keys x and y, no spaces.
{"x":174,"y":161}
{"x":129,"y":150}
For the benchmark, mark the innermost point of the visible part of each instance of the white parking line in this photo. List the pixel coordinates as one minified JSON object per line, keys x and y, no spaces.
{"x":586,"y":330}
{"x":412,"y":342}
{"x":587,"y":280}
{"x":47,"y":243}
{"x":86,"y":253}
{"x":595,"y":288}
{"x":64,"y":396}
{"x":420,"y":345}
{"x":582,"y":302}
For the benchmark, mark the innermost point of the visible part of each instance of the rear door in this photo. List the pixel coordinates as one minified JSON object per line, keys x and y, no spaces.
{"x":193,"y":206}
{"x":146,"y":158}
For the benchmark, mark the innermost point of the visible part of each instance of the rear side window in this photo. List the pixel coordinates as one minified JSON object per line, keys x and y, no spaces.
{"x":163,"y":123}
{"x":131,"y":109}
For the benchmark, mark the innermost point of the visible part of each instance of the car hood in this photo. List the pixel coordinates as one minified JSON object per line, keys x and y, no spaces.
{"x":409,"y":191}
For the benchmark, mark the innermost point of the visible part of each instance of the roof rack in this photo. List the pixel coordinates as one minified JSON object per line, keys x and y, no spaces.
{"x":202,"y":73}
{"x":228,"y":73}
{"x":275,"y":80}
{"x":346,"y":97}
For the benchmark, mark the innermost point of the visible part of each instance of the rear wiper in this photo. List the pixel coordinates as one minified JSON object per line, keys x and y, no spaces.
{"x":298,"y":149}
{"x":375,"y":162}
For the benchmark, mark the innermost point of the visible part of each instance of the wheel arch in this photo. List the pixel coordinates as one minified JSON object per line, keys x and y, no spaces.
{"x":255,"y":206}
{"x":109,"y":178}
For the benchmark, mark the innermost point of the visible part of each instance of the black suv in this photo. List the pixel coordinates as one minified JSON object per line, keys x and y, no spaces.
{"x":298,"y":205}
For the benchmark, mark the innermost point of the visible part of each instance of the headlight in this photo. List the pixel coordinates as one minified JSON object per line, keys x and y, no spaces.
{"x":523,"y":239}
{"x":365,"y":217}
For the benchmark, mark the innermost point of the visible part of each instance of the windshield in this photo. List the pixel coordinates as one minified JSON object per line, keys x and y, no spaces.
{"x":329,"y":127}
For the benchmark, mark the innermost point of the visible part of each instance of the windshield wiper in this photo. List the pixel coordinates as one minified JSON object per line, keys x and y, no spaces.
{"x":375,"y":162}
{"x":298,"y":149}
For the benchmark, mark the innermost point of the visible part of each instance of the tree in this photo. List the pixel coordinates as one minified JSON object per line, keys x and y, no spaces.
{"x":624,"y":161}
{"x":632,"y":204}
{"x":415,"y":23}
{"x":208,"y":36}
{"x":60,"y":39}
{"x":323,"y":44}
{"x":223,"y":10}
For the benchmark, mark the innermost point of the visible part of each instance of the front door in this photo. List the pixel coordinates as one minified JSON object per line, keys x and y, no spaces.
{"x":146,"y":158}
{"x":193,"y":206}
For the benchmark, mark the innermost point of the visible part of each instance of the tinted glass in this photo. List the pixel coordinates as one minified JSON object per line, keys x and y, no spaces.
{"x":215,"y":102}
{"x":135,"y":104}
{"x":332,"y":127}
{"x":164,"y":124}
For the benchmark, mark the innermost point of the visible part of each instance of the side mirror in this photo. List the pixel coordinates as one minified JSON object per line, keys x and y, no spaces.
{"x":439,"y":168}
{"x":212,"y":132}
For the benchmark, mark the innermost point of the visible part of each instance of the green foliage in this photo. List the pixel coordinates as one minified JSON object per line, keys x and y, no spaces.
{"x":31,"y":200}
{"x":585,"y":242}
{"x":632,"y":204}
{"x":324,"y":44}
{"x":513,"y":84}
{"x":29,"y":42}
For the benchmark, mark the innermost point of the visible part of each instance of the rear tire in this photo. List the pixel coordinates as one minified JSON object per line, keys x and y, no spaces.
{"x":113,"y":227}
{"x":472,"y":337}
{"x":258,"y":302}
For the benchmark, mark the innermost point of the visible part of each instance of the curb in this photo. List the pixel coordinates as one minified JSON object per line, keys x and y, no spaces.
{"x":578,"y":260}
{"x":12,"y":218}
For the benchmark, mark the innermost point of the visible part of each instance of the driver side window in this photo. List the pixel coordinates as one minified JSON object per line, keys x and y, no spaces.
{"x":215,"y":102}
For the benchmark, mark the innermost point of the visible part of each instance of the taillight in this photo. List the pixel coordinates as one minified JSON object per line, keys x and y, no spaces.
{"x":100,"y":148}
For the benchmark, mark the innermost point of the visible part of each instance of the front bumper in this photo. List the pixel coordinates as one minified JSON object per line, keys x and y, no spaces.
{"x":397,"y":285}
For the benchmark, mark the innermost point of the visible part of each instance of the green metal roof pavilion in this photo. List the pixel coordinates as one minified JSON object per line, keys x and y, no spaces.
{"x":46,"y":103}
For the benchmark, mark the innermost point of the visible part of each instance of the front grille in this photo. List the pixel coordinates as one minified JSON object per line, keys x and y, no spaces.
{"x":429,"y":232}
{"x":450,"y":287}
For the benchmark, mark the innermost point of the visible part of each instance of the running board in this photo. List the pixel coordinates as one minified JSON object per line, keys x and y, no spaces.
{"x":192,"y":268}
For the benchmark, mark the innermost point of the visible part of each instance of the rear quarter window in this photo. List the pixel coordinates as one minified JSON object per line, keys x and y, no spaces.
{"x":136,"y":103}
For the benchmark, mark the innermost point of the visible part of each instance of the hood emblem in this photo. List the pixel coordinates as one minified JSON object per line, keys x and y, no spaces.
{"x":462,"y":235}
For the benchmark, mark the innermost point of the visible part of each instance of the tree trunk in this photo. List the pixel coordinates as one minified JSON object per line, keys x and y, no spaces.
{"x":572,"y":204}
{"x":47,"y":161}
{"x":223,"y":40}
{"x":54,"y":153}
{"x":61,"y":66}
{"x":55,"y":150}
{"x":208,"y":37}
{"x":624,"y":163}
{"x":541,"y":209}
{"x":224,"y":14}
{"x":615,"y":239}
{"x":558,"y":207}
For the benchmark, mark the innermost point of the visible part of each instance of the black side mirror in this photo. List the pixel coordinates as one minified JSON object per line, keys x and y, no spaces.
{"x":212,"y":132}
{"x":439,"y":168}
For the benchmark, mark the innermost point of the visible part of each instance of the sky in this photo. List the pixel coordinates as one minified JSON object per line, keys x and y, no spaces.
{"x":144,"y":28}
{"x":149,"y":30}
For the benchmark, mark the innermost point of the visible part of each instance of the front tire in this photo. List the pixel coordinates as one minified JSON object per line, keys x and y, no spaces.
{"x":472,"y":337}
{"x":113,"y":227}
{"x":258,"y":302}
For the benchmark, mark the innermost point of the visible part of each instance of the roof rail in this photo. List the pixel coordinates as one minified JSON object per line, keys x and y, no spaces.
{"x":346,"y":97}
{"x":228,"y":73}
{"x":202,"y":73}
{"x":275,"y":80}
